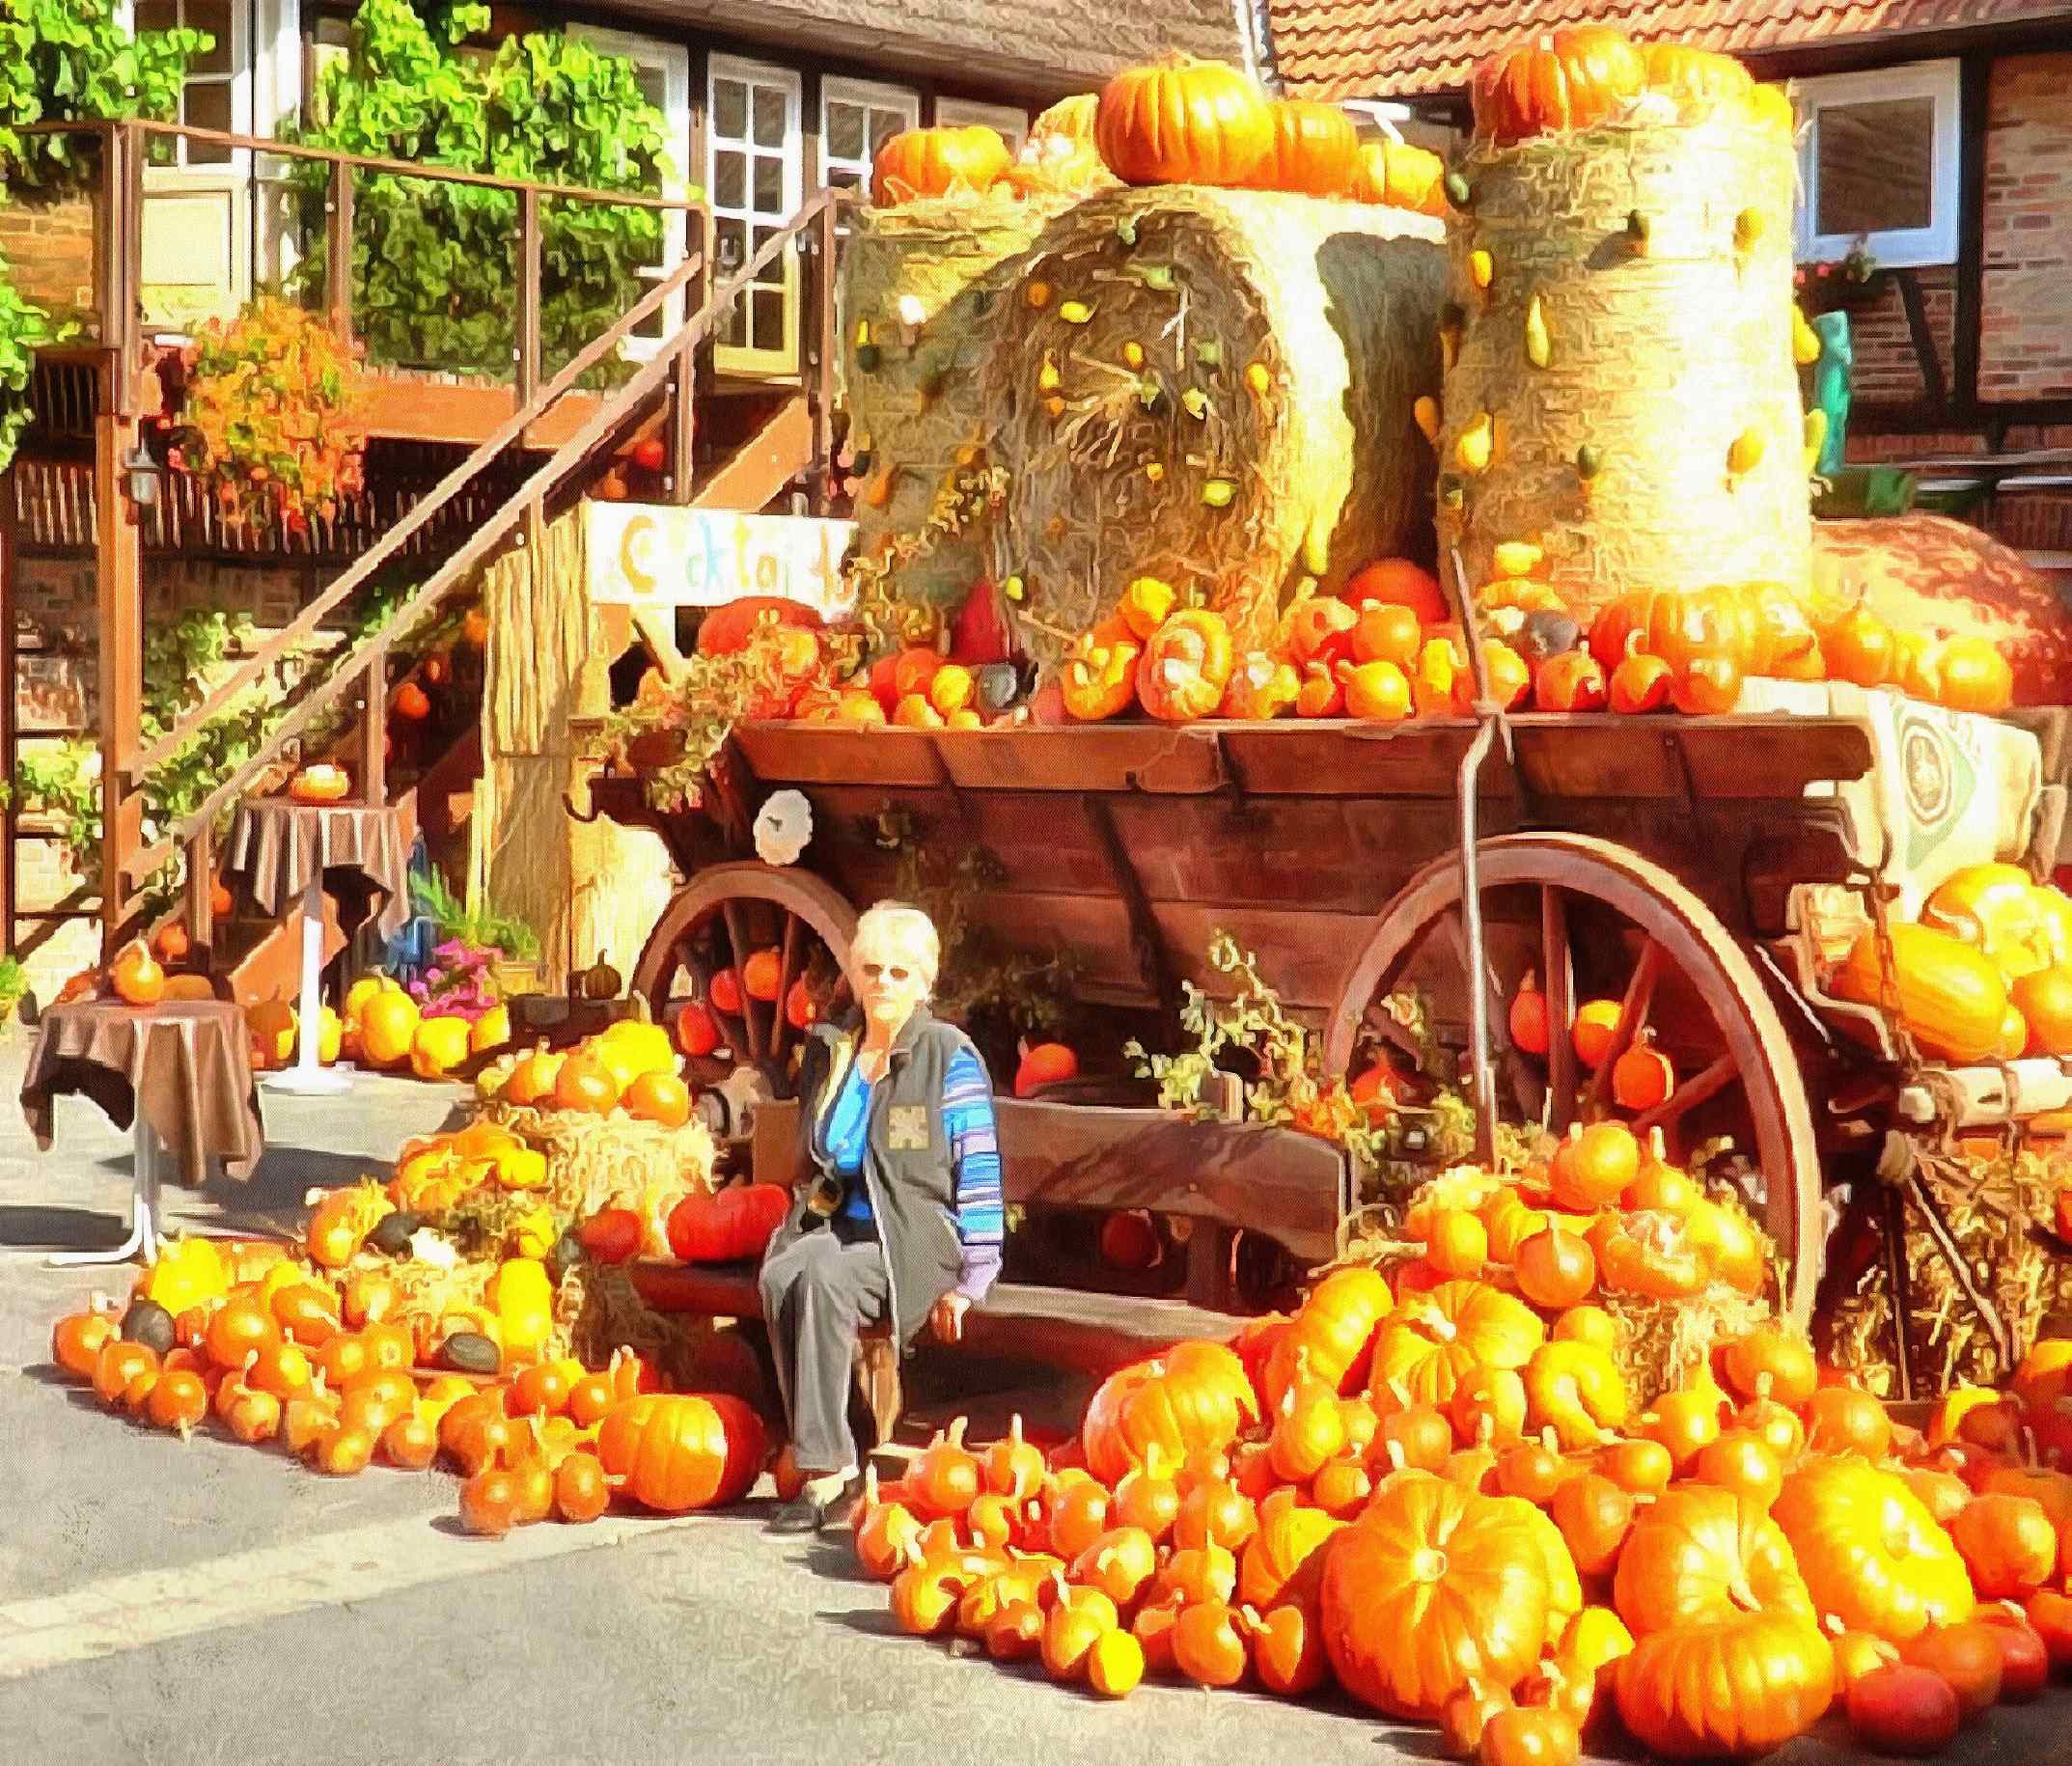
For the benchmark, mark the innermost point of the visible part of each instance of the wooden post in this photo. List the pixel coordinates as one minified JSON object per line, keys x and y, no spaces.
{"x":201,"y":897}
{"x":374,"y":729}
{"x":683,"y":412}
{"x":338,"y":249}
{"x":821,"y":386}
{"x":9,"y":687}
{"x":528,"y":314}
{"x":119,"y":577}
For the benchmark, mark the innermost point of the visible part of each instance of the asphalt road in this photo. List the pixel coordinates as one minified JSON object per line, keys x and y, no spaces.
{"x":182,"y":1605}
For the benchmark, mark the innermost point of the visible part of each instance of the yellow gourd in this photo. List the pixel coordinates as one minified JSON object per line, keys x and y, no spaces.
{"x":1805,"y":340}
{"x":1538,"y":347}
{"x":188,"y":1273}
{"x":524,"y":1303}
{"x":1746,"y":453}
{"x":1475,"y":444}
{"x":1517,"y":558}
{"x":1575,"y":1390}
{"x":1427,"y":411}
{"x":1482,"y":268}
{"x":1947,"y":994}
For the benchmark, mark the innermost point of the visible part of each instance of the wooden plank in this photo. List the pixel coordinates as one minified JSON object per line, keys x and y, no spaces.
{"x":822,"y":360}
{"x":1775,"y":756}
{"x":1558,"y":982}
{"x":1090,"y":758}
{"x":807,"y":754}
{"x":1347,"y":760}
{"x":201,"y":889}
{"x":10,"y":689}
{"x":526,"y":321}
{"x":338,"y":247}
{"x":463,"y":413}
{"x":756,"y":472}
{"x":373,"y":727}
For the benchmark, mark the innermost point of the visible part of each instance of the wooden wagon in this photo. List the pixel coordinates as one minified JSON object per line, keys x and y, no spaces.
{"x":1663,"y":863}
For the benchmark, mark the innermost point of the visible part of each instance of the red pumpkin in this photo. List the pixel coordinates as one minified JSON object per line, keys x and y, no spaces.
{"x":728,"y":1224}
{"x":1398,"y":581}
{"x":682,"y":1453}
{"x":727,"y":629}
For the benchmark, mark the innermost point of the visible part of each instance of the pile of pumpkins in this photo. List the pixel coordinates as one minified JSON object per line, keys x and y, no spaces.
{"x":1437,"y":1492}
{"x":264,"y":1347}
{"x":1179,"y":121}
{"x":382,"y":1027}
{"x":1985,"y":974}
{"x":629,"y":1067}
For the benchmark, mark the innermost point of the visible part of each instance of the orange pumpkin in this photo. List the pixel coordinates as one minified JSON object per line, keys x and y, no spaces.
{"x":1697,"y":79}
{"x":1736,"y":1686}
{"x":679,"y":1452}
{"x":1434,"y":1588}
{"x":1699,"y":1552}
{"x":1571,"y":680}
{"x":1871,"y":1555}
{"x":1330,"y":1335}
{"x":1430,"y":1345}
{"x":1562,"y":80}
{"x":1197,"y":1395}
{"x":585,"y":1083}
{"x":1949,"y":996}
{"x":137,"y":977}
{"x":1100,"y":677}
{"x":1399,"y":582}
{"x":1400,"y":176}
{"x":1183,"y":122}
{"x":659,"y":1097}
{"x":925,"y":162}
{"x":1972,"y":675}
{"x":1260,"y":687}
{"x":1314,"y":149}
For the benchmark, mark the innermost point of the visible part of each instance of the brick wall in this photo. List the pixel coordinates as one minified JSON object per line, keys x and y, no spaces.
{"x":49,"y":252}
{"x":1887,"y":369}
{"x":2025,"y":313}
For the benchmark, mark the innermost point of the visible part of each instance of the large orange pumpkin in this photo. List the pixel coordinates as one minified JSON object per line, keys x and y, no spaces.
{"x":677,"y":1452}
{"x":1698,"y":1553}
{"x":388,"y":1025}
{"x":1330,"y":1334}
{"x":1871,"y":1555}
{"x":1195,"y":1396}
{"x":1562,"y":80}
{"x":1999,"y":909}
{"x":923,"y":162}
{"x":1183,"y":122}
{"x":1431,"y":1343}
{"x":1399,"y":582}
{"x":1725,"y":1687}
{"x":1315,"y":147}
{"x":1431,"y":1589}
{"x":137,"y":977}
{"x":1697,"y":79}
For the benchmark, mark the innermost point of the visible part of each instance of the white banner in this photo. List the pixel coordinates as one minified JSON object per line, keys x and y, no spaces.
{"x":658,"y":555}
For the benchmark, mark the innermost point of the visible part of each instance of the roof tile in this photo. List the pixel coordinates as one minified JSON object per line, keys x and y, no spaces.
{"x":1369,"y":48}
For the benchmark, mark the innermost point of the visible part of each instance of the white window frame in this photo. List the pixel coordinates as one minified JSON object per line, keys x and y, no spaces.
{"x":239,"y":79}
{"x":673,"y":60}
{"x":1010,"y":120}
{"x":746,"y":359}
{"x":1896,"y":248}
{"x":839,"y":89}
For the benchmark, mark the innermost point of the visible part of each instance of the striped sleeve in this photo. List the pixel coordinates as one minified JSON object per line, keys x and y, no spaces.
{"x":974,"y":1159}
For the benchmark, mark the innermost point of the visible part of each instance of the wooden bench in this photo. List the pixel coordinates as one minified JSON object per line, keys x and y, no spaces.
{"x":1219,"y":1177}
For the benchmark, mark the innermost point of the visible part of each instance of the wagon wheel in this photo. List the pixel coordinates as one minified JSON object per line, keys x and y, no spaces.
{"x":1597,"y":921}
{"x":715,"y":921}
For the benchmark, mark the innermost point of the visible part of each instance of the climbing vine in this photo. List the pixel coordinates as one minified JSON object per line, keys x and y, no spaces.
{"x":434,"y":264}
{"x":63,"y":60}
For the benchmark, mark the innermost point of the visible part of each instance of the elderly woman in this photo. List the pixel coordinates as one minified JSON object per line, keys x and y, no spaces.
{"x":902,"y":1217}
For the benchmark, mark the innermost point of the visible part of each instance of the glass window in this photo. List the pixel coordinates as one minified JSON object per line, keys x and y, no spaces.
{"x":770,"y":117}
{"x":1878,"y":160}
{"x":845,"y":130}
{"x":730,"y":109}
{"x":210,"y":98}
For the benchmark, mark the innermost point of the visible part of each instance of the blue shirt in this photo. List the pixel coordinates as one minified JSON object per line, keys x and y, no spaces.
{"x":974,"y":1156}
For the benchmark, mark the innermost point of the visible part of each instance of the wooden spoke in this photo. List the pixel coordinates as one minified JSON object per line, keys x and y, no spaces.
{"x":759,"y":1043}
{"x":1631,"y":1018}
{"x":788,"y":963}
{"x":1559,"y":984}
{"x":1705,"y":1084}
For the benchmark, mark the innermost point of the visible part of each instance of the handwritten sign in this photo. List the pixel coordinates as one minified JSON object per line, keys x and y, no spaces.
{"x":657,"y":555}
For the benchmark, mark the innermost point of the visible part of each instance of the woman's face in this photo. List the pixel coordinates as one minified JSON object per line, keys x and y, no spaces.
{"x":889,"y":983}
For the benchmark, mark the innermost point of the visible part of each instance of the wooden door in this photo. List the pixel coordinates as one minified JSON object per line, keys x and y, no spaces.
{"x":754,"y":173}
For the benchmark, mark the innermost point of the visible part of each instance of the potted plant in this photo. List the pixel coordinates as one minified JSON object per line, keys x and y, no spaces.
{"x":1848,"y":284}
{"x":13,"y":983}
{"x":498,"y":944}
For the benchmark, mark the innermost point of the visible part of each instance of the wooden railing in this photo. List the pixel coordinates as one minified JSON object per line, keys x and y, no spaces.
{"x":127,"y":863}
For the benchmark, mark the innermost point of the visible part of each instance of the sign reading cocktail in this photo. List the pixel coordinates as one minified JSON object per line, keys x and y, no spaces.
{"x":657,"y":555}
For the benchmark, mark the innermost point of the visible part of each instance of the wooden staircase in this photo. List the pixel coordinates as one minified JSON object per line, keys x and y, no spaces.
{"x":539,"y":441}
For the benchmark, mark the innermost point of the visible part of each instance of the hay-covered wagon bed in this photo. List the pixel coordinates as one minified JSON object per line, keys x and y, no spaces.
{"x":1664,"y":863}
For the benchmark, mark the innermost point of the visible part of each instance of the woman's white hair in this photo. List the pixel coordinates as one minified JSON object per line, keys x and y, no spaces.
{"x":900,"y":926}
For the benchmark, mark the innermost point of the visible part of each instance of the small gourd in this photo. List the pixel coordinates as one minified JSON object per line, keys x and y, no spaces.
{"x":1482,"y":268}
{"x":1589,"y":462}
{"x":1475,"y":444}
{"x":1639,"y":231}
{"x":1075,"y":312}
{"x":1805,"y":340}
{"x":1460,"y":191}
{"x":1746,"y":451}
{"x":1538,"y":347}
{"x":1427,"y":411}
{"x":1749,"y":229}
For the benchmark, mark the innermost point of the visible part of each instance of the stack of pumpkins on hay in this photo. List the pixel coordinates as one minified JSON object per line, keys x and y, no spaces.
{"x":1176,"y":122}
{"x":1439,"y":1491}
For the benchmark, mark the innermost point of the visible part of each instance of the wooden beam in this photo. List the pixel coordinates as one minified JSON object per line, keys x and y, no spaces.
{"x":201,"y":882}
{"x":462,"y":412}
{"x":1926,"y":354}
{"x":1973,"y":104}
{"x":373,"y":727}
{"x":527,"y":321}
{"x":338,"y":246}
{"x":763,"y":465}
{"x":10,"y":690}
{"x":120,"y":607}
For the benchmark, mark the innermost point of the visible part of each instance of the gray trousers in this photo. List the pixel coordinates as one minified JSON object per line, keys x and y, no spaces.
{"x":818,"y":1292}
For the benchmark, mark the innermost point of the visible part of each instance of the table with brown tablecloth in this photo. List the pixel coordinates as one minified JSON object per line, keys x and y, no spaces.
{"x":277,"y":845}
{"x":185,"y":1062}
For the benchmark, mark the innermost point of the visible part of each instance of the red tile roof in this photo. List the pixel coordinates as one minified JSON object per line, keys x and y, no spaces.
{"x":1381,"y":48}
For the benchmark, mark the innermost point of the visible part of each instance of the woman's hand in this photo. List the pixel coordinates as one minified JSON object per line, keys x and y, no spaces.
{"x":946,"y":1316}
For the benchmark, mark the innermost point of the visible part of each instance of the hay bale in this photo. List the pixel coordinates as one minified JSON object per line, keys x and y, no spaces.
{"x":913,"y":389}
{"x":613,"y":1161}
{"x":1177,"y":467}
{"x":1657,"y":358}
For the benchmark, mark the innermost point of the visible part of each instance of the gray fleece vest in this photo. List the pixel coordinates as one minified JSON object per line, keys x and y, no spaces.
{"x":906,"y":1170}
